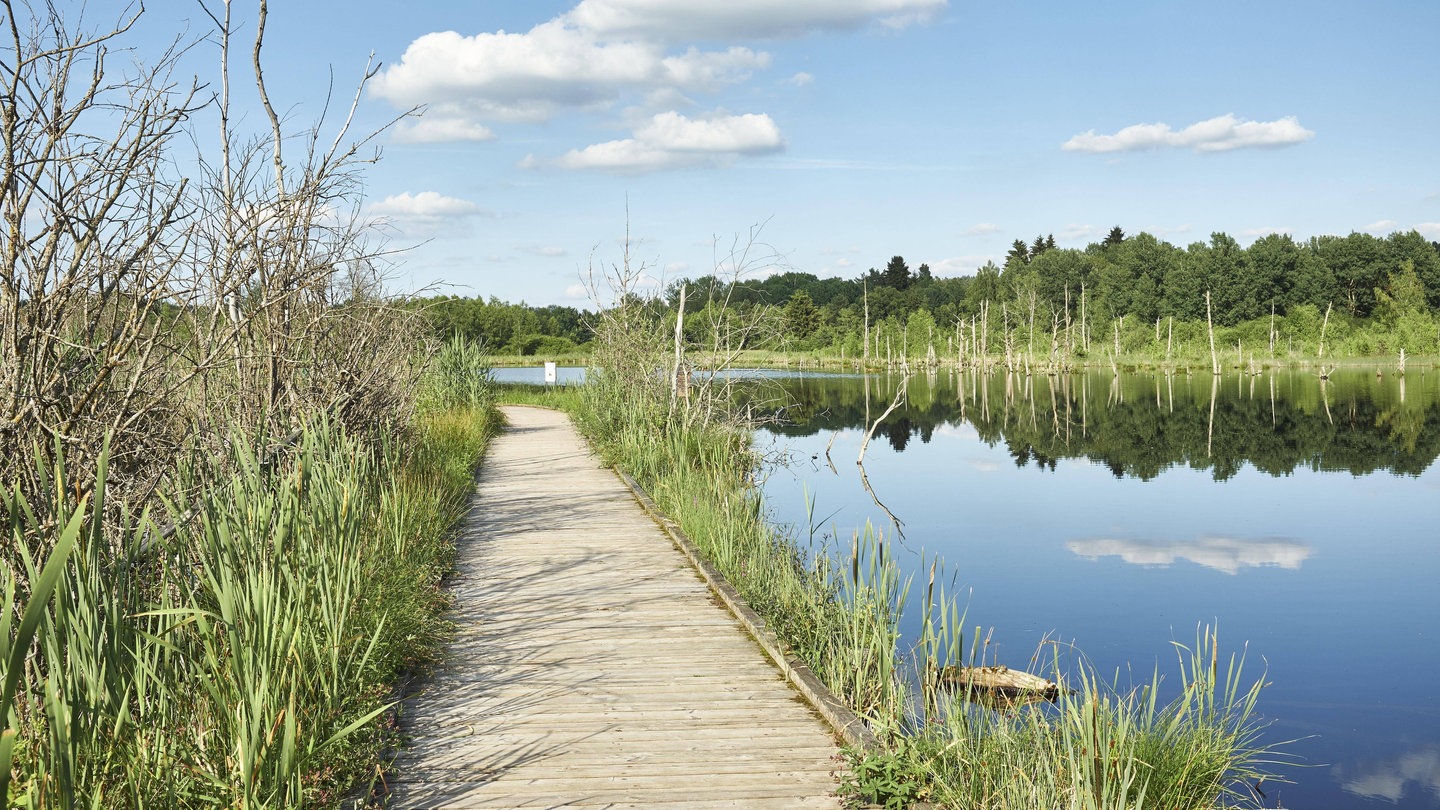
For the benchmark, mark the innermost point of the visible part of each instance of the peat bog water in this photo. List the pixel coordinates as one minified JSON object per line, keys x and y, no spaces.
{"x":1121,"y":513}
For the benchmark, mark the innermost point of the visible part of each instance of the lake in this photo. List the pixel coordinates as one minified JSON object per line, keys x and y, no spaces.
{"x":1301,"y":519}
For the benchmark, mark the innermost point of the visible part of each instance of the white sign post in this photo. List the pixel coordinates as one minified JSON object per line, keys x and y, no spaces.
{"x":551,"y":373}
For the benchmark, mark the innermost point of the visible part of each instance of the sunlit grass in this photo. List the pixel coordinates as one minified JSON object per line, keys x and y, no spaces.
{"x":248,"y":659}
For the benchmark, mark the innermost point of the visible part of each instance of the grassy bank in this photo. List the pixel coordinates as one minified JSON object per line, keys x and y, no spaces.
{"x":248,"y":659}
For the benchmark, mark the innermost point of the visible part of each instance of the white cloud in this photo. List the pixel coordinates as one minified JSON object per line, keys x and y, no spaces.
{"x":844,"y":263}
{"x":1218,"y":134}
{"x":602,"y":53}
{"x":754,"y":19}
{"x":959,"y":265}
{"x":426,"y":214}
{"x":577,"y":292}
{"x":670,"y":140}
{"x":440,"y":129}
{"x":980,"y":229}
{"x":800,"y":79}
{"x":1430,"y":229}
{"x":505,"y":76}
{"x":711,"y":70}
{"x":1225,"y":554}
{"x":1381,"y":226}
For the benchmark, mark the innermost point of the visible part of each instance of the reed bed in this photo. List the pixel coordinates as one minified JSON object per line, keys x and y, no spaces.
{"x":248,"y":659}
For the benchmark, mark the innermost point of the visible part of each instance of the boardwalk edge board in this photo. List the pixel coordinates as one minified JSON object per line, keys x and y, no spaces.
{"x":845,"y":722}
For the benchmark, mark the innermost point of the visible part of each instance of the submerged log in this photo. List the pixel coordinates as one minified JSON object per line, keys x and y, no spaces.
{"x":998,"y":683}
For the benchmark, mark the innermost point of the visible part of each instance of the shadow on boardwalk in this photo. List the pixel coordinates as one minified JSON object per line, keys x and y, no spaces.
{"x":592,"y":667}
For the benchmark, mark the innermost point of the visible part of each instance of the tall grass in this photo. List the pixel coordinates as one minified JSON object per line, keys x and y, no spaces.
{"x":249,"y":659}
{"x":560,"y":397}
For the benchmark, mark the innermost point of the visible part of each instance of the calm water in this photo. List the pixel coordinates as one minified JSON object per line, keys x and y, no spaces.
{"x":1303,"y":521}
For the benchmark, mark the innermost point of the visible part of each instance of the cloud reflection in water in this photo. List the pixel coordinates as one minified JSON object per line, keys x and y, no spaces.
{"x":1227,"y":554}
{"x":1387,"y":780}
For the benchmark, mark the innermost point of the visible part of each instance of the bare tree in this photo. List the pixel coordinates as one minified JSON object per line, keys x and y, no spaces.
{"x":93,"y":224}
{"x":150,"y":301}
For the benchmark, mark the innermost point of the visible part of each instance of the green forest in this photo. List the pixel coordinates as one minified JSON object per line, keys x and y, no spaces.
{"x":1122,"y":297}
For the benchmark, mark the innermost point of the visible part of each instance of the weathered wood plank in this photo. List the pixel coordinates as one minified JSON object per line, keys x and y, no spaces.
{"x":592,"y":667}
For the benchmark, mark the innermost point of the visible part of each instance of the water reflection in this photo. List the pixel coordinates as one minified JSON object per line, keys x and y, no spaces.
{"x":1140,"y":425}
{"x":1388,"y":780}
{"x":1121,"y":512}
{"x":1227,"y":554}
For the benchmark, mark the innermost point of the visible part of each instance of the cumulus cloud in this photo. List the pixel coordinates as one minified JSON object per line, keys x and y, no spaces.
{"x":1226,"y":554}
{"x":1381,"y":226}
{"x":800,"y":79}
{"x":752,"y":19}
{"x":980,"y":229}
{"x":1219,"y":134}
{"x":604,"y":53}
{"x":504,"y":76}
{"x":1430,"y":229}
{"x":426,"y":214}
{"x":670,"y":140}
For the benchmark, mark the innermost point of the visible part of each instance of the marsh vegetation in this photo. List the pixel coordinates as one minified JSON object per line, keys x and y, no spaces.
{"x":230,"y":467}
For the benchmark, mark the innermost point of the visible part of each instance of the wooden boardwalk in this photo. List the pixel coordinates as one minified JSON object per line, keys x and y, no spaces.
{"x":592,"y":667}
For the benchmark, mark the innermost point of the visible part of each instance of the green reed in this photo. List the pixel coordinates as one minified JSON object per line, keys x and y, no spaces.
{"x":246,"y":660}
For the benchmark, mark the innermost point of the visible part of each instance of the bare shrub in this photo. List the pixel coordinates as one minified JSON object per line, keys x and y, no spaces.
{"x":162,"y":299}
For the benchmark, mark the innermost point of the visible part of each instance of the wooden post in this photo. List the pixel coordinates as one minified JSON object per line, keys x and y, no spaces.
{"x":865,"y":292}
{"x":678,"y":388}
{"x":1210,"y":325}
{"x":1272,"y":330}
{"x":1320,"y":355}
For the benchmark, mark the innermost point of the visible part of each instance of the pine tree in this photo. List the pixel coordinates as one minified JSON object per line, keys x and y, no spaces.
{"x":897,"y":274}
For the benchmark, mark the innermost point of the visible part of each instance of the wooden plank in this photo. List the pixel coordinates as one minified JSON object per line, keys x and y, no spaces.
{"x":592,"y":667}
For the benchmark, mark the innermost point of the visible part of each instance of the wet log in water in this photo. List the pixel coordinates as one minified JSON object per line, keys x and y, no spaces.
{"x":998,"y":683}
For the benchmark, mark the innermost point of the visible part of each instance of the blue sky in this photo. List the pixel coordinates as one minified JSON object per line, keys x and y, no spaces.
{"x":855,"y":130}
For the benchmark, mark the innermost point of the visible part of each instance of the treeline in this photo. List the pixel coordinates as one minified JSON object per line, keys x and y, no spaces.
{"x":512,"y":329}
{"x":1120,"y":296}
